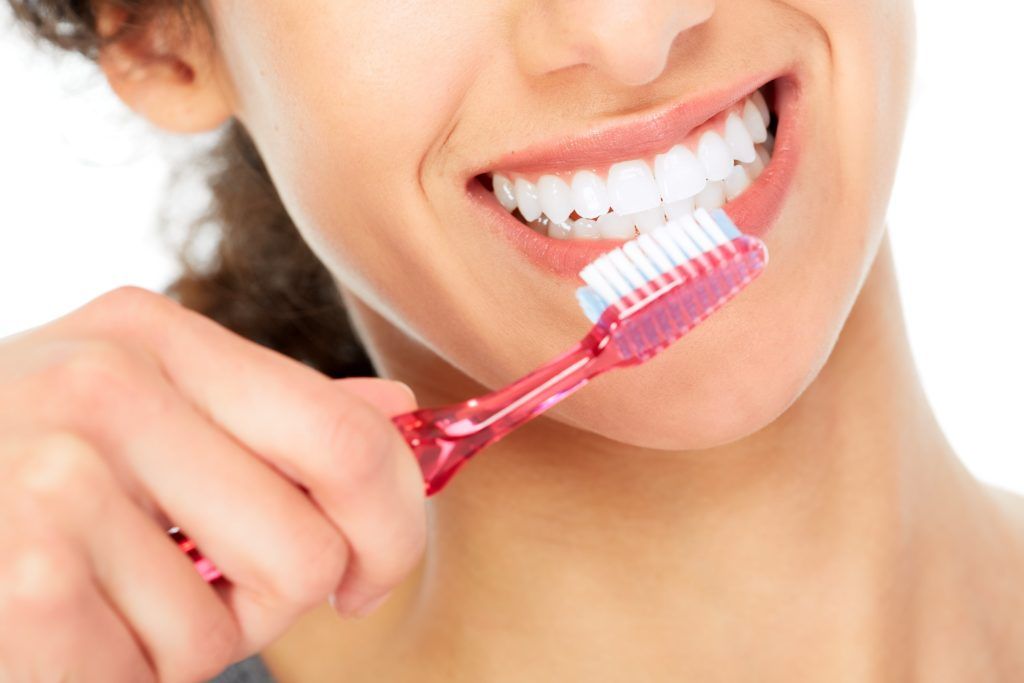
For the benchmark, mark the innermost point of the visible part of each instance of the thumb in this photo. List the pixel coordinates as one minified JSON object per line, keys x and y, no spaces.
{"x":390,"y":397}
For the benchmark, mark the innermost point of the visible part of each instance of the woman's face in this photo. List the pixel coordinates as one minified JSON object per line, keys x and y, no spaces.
{"x":383,"y":124}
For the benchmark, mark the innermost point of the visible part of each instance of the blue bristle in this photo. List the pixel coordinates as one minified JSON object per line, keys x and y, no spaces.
{"x":593,"y":304}
{"x":726,"y":224}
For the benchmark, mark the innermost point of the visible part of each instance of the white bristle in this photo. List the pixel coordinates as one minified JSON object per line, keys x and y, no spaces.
{"x":678,"y":235}
{"x":627,"y":269}
{"x":597,"y":282}
{"x":666,"y":242}
{"x":694,"y":232}
{"x":655,"y":253}
{"x":711,"y":227}
{"x":640,"y":260}
{"x":613,"y":276}
{"x":677,"y":244}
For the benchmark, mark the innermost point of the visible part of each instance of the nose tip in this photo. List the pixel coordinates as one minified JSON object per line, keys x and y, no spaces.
{"x":634,"y":56}
{"x":629,"y":41}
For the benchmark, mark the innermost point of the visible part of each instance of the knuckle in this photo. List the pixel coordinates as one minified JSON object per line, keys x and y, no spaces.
{"x":95,"y":370}
{"x":60,"y":464}
{"x":316,"y":565}
{"x":127,"y":303}
{"x":127,"y":307}
{"x":362,"y":442}
{"x":406,"y":545}
{"x":41,"y":582}
{"x":212,"y":641}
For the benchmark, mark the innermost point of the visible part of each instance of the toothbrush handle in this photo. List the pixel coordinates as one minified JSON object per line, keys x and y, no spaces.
{"x":443,"y":439}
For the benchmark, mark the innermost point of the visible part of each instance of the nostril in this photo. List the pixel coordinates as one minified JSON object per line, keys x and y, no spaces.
{"x":636,"y":39}
{"x":629,"y":42}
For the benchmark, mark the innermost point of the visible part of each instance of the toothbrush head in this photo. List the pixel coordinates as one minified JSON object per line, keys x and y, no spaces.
{"x":652,"y":290}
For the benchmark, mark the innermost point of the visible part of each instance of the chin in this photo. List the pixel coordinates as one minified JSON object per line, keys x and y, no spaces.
{"x":712,"y":388}
{"x":747,"y":364}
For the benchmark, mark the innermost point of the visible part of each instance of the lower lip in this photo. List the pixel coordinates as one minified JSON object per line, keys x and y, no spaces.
{"x":754,"y":212}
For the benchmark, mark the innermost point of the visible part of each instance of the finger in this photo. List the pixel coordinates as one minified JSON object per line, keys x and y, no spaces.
{"x":341,"y":448}
{"x":391,"y":398}
{"x":280,"y":552}
{"x":184,"y":628}
{"x":55,"y":624}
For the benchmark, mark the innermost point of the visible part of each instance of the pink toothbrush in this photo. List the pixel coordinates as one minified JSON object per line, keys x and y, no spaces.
{"x":642,"y":296}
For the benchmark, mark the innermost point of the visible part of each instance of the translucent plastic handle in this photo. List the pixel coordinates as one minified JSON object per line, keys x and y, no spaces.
{"x":443,"y":439}
{"x":205,"y":568}
{"x":631,"y":330}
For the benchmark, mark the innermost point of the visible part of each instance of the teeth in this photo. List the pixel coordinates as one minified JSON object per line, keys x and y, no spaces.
{"x":560,"y":230}
{"x":633,"y":200}
{"x":680,"y":174}
{"x":680,"y":209}
{"x":645,"y":221}
{"x":540,"y":225}
{"x":762,"y":106}
{"x":738,"y":138}
{"x":505,"y":192}
{"x":712,"y":197}
{"x":589,"y":195}
{"x":527,"y":199}
{"x":615,"y":227}
{"x":764,"y":155}
{"x":715,"y":155}
{"x":737,"y":182}
{"x":631,"y":187}
{"x":755,"y":123}
{"x":756,"y":167}
{"x":555,"y":198}
{"x":584,"y":228}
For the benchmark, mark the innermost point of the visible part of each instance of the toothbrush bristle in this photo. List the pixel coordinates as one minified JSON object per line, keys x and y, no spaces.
{"x":654,"y":289}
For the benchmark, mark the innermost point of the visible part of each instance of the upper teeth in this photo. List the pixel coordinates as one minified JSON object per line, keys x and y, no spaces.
{"x":632,"y":188}
{"x":633,"y":194}
{"x":589,"y":194}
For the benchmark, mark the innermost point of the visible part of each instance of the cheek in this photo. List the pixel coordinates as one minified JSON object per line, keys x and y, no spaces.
{"x":746,"y":366}
{"x":872,"y":45}
{"x":740,"y":370}
{"x":315,"y":103}
{"x":344,"y":99}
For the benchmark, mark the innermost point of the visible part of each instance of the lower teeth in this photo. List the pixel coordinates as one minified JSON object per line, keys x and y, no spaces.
{"x":613,"y":226}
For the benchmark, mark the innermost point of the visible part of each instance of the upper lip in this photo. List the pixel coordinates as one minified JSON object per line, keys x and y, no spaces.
{"x":651,"y":132}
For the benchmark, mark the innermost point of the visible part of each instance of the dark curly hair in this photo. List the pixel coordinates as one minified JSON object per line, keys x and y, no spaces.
{"x":262,"y":281}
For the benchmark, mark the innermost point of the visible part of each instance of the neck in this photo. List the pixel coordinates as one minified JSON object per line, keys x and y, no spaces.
{"x":596,"y":555}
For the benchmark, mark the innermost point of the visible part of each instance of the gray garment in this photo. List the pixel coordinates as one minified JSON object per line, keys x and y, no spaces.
{"x":246,"y":671}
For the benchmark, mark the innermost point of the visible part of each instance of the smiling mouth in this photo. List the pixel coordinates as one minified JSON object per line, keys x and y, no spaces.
{"x":707,"y":167}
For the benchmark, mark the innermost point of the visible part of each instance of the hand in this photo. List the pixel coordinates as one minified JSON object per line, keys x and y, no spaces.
{"x":133,"y":414}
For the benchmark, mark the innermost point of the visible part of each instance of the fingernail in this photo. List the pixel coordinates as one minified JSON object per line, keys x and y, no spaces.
{"x":371,"y":606}
{"x":348,"y":607}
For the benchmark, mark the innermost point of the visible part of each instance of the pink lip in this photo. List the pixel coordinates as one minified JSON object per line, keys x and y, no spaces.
{"x":754,"y":211}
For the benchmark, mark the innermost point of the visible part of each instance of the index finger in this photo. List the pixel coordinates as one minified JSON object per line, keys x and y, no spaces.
{"x":333,"y":438}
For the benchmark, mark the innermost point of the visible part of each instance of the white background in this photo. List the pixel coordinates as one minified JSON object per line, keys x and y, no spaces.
{"x":80,"y":180}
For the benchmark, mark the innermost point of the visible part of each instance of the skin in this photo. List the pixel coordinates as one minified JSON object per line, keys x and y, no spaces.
{"x":783,"y":508}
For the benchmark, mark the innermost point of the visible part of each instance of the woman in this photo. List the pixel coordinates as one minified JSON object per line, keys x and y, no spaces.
{"x":770,"y":499}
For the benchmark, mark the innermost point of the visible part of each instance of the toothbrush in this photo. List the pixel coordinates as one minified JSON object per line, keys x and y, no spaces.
{"x":642,"y":296}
